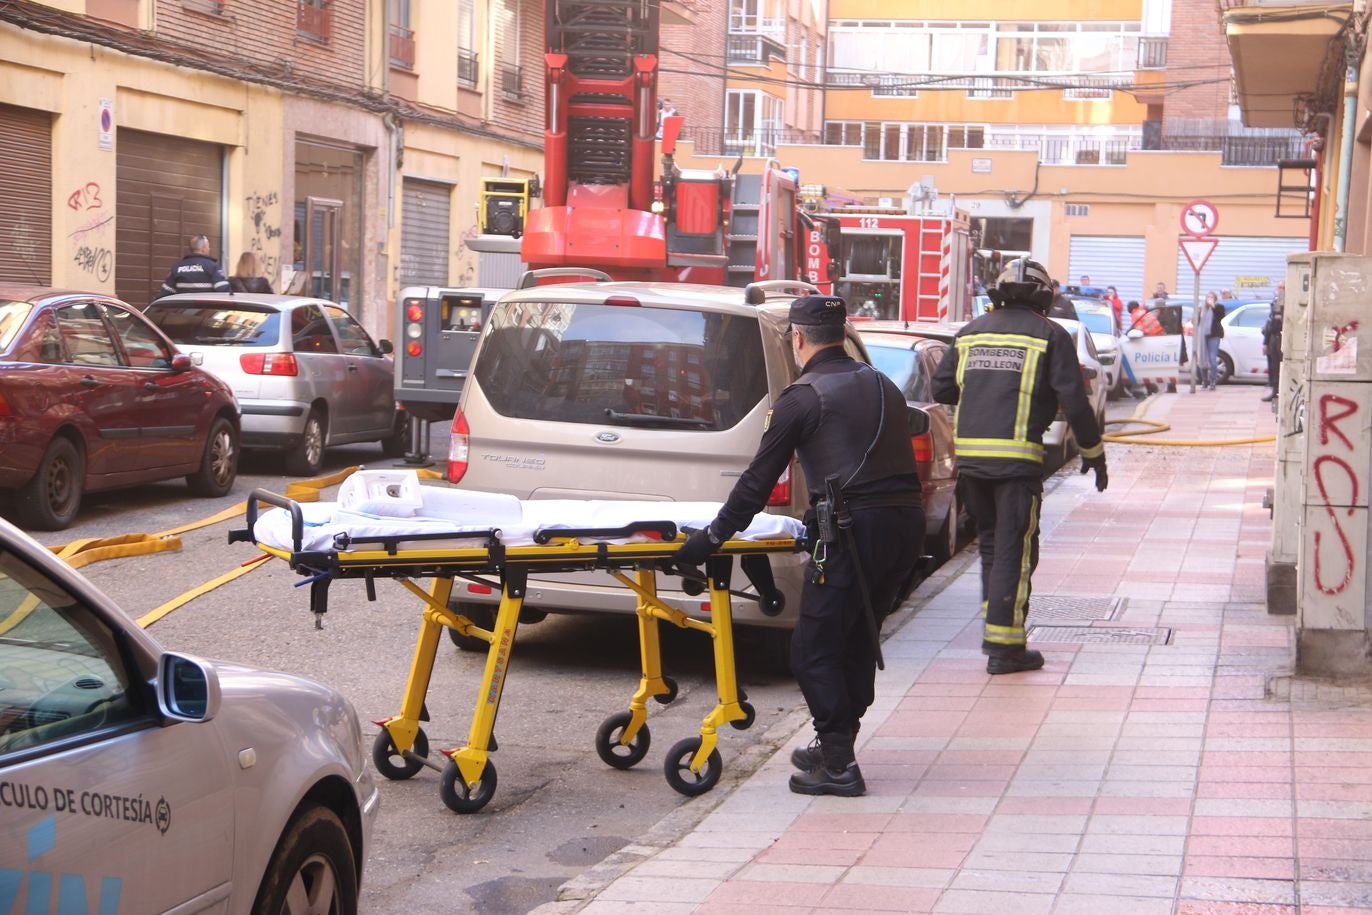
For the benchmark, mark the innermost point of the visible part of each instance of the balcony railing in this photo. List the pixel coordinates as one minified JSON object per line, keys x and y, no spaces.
{"x":314,"y":21}
{"x":467,"y":69}
{"x":402,"y":47}
{"x":712,"y":141}
{"x":512,"y":81}
{"x":754,"y":48}
{"x":1000,"y":85}
{"x":1152,"y":52}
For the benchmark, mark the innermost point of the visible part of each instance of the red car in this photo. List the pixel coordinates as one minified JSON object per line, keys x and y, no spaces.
{"x":93,"y":396}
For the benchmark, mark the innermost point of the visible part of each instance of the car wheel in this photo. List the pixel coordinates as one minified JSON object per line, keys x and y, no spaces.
{"x":219,"y":464}
{"x":50,"y":501}
{"x":398,"y":442}
{"x":1226,"y":369}
{"x":1117,"y":389}
{"x":947,"y":546}
{"x":312,"y":868}
{"x":307,"y":457}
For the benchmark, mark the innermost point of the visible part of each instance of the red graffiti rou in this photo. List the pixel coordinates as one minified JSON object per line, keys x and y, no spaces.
{"x":86,"y":197}
{"x":1334,"y":410}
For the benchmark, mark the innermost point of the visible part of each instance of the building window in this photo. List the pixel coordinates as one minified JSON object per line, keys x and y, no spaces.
{"x":314,"y":19}
{"x":512,"y":82}
{"x":511,"y":73}
{"x":401,"y":35}
{"x":210,"y":7}
{"x":752,"y":123}
{"x":896,"y":142}
{"x":467,"y":59}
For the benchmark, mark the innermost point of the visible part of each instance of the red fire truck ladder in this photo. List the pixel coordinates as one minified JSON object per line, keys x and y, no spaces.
{"x":932,"y":268}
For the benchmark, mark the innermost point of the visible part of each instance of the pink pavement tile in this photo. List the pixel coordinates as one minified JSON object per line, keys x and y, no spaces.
{"x":868,"y":898}
{"x":1240,"y":846}
{"x":1332,"y":910}
{"x":1333,"y":791}
{"x":1143,"y":806}
{"x":1336,"y":870}
{"x":841,"y":822}
{"x":1359,"y":849}
{"x":937,"y":823}
{"x":838,"y":849}
{"x":1241,"y":826}
{"x":1208,"y":907}
{"x":1333,"y":758}
{"x":1248,"y":868}
{"x":1247,"y":729}
{"x":1044,"y":806}
{"x":921,"y":724}
{"x":1169,"y":705}
{"x":768,"y":892}
{"x":748,"y":908}
{"x":941,"y":703}
{"x":945,"y":689}
{"x":1277,"y":759}
{"x":1315,"y":828}
{"x":1000,"y":726}
{"x":880,"y":757}
{"x":1254,"y":790}
{"x":948,"y":771}
{"x":919,"y":850}
{"x":1172,"y":692}
{"x":1231,"y":774}
{"x":1020,"y":690}
{"x":962,"y":788}
{"x":980,"y":757}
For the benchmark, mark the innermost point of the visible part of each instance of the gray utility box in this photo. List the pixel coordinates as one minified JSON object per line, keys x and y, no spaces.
{"x":439,"y":327}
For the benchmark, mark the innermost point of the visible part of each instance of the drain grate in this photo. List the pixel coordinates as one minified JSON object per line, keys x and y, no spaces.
{"x":1100,"y":635}
{"x":1053,"y":607}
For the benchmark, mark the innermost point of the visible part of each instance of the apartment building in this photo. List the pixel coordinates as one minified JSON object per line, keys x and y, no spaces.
{"x":1075,"y":131}
{"x":342,"y":141}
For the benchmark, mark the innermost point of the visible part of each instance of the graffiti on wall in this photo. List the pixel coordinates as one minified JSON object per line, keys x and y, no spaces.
{"x":264,"y":214}
{"x":91,"y":242}
{"x":1338,"y":483}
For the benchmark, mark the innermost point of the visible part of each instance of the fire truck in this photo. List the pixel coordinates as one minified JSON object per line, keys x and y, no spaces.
{"x":912,"y":262}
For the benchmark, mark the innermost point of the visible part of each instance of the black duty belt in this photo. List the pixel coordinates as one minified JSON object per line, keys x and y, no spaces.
{"x":884,"y":500}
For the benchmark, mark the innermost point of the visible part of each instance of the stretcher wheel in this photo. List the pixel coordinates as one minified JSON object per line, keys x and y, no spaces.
{"x":462,"y":799}
{"x":614,"y":753}
{"x":390,"y":763}
{"x":677,"y":768}
{"x":750,"y":715}
{"x":672,"y":690}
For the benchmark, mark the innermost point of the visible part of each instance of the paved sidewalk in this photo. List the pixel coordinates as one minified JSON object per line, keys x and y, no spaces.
{"x":1163,"y":761}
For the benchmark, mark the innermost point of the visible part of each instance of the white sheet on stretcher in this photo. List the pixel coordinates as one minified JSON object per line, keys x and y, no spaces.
{"x":458,"y":511}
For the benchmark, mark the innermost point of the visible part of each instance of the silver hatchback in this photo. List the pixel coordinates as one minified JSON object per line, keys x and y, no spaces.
{"x":307,"y":375}
{"x":138,"y":780}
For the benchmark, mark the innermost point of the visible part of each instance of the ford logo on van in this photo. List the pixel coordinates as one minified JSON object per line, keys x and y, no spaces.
{"x":607,"y":437}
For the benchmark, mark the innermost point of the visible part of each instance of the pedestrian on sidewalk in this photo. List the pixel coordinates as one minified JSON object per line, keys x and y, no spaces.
{"x":842,"y":419}
{"x":1009,"y":371}
{"x":1271,"y":342}
{"x":1205,"y":323}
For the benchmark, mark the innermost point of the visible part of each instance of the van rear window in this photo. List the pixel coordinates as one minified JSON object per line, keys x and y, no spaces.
{"x":615,"y":365}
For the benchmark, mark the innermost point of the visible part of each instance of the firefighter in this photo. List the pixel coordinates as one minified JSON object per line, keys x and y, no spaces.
{"x":847,"y":421}
{"x":196,"y":272}
{"x":1009,"y":371}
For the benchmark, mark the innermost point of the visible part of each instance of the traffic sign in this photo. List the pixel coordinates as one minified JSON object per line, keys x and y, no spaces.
{"x":1198,"y":250}
{"x":1199,"y":218}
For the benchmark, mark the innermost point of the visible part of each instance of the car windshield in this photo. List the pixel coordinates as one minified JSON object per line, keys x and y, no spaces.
{"x":1098,"y":322}
{"x":622,"y":365}
{"x":215,"y":324}
{"x":902,"y":366}
{"x":12,"y":317}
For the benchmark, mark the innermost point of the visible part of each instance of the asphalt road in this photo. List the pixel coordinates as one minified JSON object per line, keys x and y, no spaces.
{"x":558,"y":809}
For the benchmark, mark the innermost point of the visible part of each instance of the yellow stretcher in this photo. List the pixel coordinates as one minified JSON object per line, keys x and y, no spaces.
{"x":401,"y":749}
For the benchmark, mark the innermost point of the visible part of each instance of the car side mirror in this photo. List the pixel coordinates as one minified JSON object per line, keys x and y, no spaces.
{"x":181,"y":363}
{"x":1134,"y":334}
{"x":187,"y":688}
{"x":918,"y":420}
{"x":385,"y":346}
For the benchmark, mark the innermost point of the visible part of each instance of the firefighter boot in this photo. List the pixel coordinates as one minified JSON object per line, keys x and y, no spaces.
{"x":838,"y":772}
{"x":808,"y":759}
{"x":1025,"y":659}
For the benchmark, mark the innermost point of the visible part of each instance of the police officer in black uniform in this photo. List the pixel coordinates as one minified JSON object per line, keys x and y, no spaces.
{"x":844,"y":420}
{"x":1009,"y":371}
{"x":197,"y":271}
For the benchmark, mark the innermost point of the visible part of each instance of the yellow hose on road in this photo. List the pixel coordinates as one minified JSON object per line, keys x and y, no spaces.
{"x":1132,"y":438}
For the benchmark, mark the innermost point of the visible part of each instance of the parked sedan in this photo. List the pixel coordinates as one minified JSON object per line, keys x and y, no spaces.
{"x":93,"y":396}
{"x":1241,"y":356}
{"x":908,"y":355}
{"x":138,"y":780}
{"x":306,"y":373}
{"x":1059,"y":440}
{"x":1099,"y":319}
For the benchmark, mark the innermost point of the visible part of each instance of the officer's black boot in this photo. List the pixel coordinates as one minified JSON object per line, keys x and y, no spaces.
{"x":808,"y":759}
{"x":1024,"y":659}
{"x":838,"y":773}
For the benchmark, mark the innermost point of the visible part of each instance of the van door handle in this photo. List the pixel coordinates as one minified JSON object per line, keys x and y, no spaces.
{"x":89,"y":382}
{"x":351,"y":367}
{"x":150,"y":386}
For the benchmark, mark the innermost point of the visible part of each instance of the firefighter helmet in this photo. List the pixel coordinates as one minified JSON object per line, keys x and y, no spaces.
{"x":1023,"y":280}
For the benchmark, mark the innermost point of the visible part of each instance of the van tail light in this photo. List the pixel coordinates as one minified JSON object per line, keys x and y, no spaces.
{"x":924,"y":449}
{"x":458,"y":448}
{"x":474,"y":588}
{"x":781,"y":493}
{"x":269,"y":363}
{"x":622,"y":300}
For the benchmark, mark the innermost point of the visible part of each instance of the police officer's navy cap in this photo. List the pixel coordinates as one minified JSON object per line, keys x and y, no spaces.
{"x":818,"y":309}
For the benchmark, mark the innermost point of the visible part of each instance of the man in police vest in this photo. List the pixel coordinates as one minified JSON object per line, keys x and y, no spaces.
{"x":196,"y":272}
{"x":845,"y":421}
{"x":1009,"y":371}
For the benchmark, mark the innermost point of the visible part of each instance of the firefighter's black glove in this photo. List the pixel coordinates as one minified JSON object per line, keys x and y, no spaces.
{"x":698,"y":545}
{"x":1098,"y":465}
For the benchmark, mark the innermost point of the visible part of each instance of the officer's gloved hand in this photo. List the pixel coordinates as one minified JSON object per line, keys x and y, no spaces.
{"x":1098,"y":465}
{"x":698,"y":545}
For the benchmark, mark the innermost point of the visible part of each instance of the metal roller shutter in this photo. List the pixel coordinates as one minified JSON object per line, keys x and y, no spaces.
{"x":25,"y":196}
{"x":1251,"y":266}
{"x":424,"y":233}
{"x":1109,"y":260}
{"x":167,"y":189}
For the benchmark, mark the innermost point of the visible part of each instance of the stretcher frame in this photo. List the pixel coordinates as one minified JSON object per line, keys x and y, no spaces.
{"x":693,"y":765}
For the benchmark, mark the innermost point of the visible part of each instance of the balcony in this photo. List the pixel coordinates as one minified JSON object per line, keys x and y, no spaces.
{"x":1153,"y":52}
{"x":1279,"y":60}
{"x":754,"y":48}
{"x":401,"y":47}
{"x":512,"y":82}
{"x":314,"y":21}
{"x":1237,"y":145}
{"x":758,"y":142}
{"x":981,"y":86}
{"x":468,"y":70}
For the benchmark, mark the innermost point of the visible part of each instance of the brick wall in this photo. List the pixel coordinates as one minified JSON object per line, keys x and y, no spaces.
{"x":691,"y":64}
{"x":1196,"y":51}
{"x":264,"y":32}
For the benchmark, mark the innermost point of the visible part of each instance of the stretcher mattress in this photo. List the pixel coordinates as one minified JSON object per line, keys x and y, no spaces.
{"x":367,"y":512}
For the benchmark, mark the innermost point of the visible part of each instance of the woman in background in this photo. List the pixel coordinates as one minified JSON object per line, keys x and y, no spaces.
{"x":248,"y":277}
